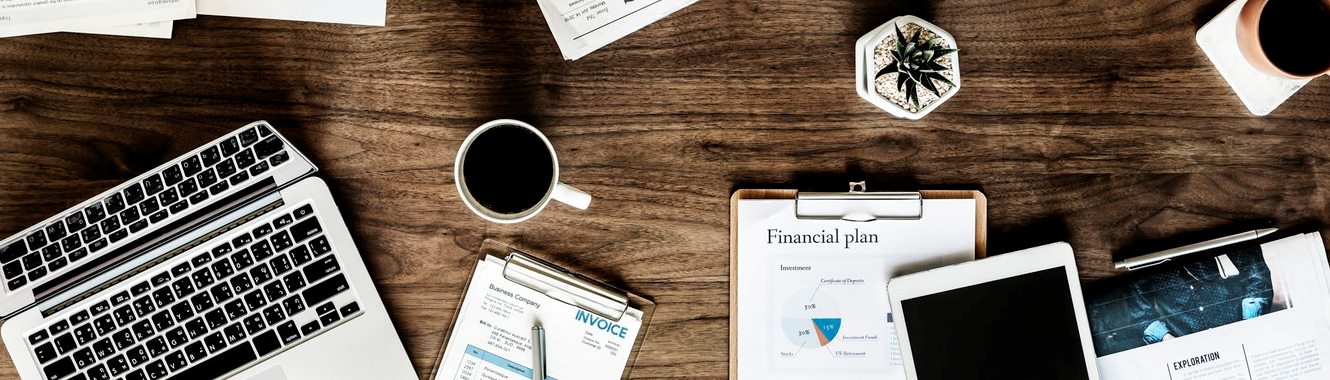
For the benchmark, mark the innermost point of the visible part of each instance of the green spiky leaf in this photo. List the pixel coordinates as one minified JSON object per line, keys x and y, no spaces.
{"x":918,"y":63}
{"x":928,"y":84}
{"x":900,"y":81}
{"x":889,"y":68}
{"x":900,"y":38}
{"x":941,"y":78}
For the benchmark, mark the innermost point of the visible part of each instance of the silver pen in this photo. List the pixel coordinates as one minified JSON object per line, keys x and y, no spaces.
{"x":537,"y":353}
{"x":1162,"y":256}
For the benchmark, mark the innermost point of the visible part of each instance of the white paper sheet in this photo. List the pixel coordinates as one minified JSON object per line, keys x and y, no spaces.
{"x":359,"y":12}
{"x":812,"y":294}
{"x":24,"y":17}
{"x":150,"y":30}
{"x":1287,"y":338}
{"x":492,"y":336}
{"x":582,"y":26}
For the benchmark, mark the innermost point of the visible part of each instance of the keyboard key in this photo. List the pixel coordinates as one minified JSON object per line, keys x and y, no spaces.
{"x":124,"y":316}
{"x":95,"y":212}
{"x":249,"y":136}
{"x":266,"y":342}
{"x":221,"y":250}
{"x":240,"y":283}
{"x":201,"y":302}
{"x":309,"y":328}
{"x":162,"y":320}
{"x":159,"y":216}
{"x":38,"y":336}
{"x":325,"y":308}
{"x":70,"y":243}
{"x":143,"y":330}
{"x":229,"y":146}
{"x":182,"y":311}
{"x":78,"y":254}
{"x":140,"y":288}
{"x":196,"y":351}
{"x":123,"y":339}
{"x":137,"y":355}
{"x":234,"y":333}
{"x":75,"y":221}
{"x":104,"y":324}
{"x":155,"y":370}
{"x":172,"y":176}
{"x":103,"y":348}
{"x":78,"y":317}
{"x":303,"y":211}
{"x":84,"y":358}
{"x":110,"y":224}
{"x":32,"y":261}
{"x":56,"y":264}
{"x":130,"y":215}
{"x":288,"y":332}
{"x":282,"y":264}
{"x":149,"y":206}
{"x":222,"y":293}
{"x":13,"y":269}
{"x":202,"y":278}
{"x":163,"y":297}
{"x":100,"y":307}
{"x":187,"y":187}
{"x":274,"y":291}
{"x":161,"y":279}
{"x":153,"y":184}
{"x":196,"y":327}
{"x":320,"y":246}
{"x":264,"y":131}
{"x":267,"y":147}
{"x":210,"y":156}
{"x":242,"y":259}
{"x":97,"y":245}
{"x":261,"y":249}
{"x":220,"y":364}
{"x":215,"y":318}
{"x":278,"y":159}
{"x":242,"y":240}
{"x":219,"y":187}
{"x":51,"y":252}
{"x":239,"y":178}
{"x":323,"y":291}
{"x":191,"y":166}
{"x":207,"y":178}
{"x":281,"y":241}
{"x":59,"y":327}
{"x":330,"y":318}
{"x":254,"y":324}
{"x":215,"y":342}
{"x":56,"y":231}
{"x":261,"y":273}
{"x":65,"y":343}
{"x":138,"y":226}
{"x":176,"y":360}
{"x":133,"y":194}
{"x":91,"y":233}
{"x":300,"y":256}
{"x":180,"y":270}
{"x":36,"y":239}
{"x":262,"y":230}
{"x":37,"y":273}
{"x":176,"y":337}
{"x":293,"y":281}
{"x":168,"y":197}
{"x":321,"y":268}
{"x":257,"y":170}
{"x":45,"y":352}
{"x":236,"y":310}
{"x":144,"y":306}
{"x":225,"y":169}
{"x":17,"y":282}
{"x":114,"y":203}
{"x":254,"y":300}
{"x":273,"y":314}
{"x":98,"y":372}
{"x":58,"y":369}
{"x":120,"y":298}
{"x":84,"y":334}
{"x":157,"y":346}
{"x":293,"y":305}
{"x":245,"y":159}
{"x":13,"y":251}
{"x":179,"y":207}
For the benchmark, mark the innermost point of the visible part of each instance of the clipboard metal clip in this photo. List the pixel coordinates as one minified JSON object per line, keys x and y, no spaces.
{"x":848,"y":206}
{"x":563,"y":285}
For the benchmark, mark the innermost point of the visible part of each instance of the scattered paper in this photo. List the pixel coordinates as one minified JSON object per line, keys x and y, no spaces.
{"x":24,"y":17}
{"x":582,"y":26}
{"x":359,"y":12}
{"x":150,"y":30}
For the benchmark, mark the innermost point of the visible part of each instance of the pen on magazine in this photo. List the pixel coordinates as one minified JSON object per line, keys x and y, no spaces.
{"x":537,"y":352}
{"x":1163,"y":256}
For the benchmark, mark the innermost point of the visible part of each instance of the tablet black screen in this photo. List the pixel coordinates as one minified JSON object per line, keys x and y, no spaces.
{"x":1021,"y":327}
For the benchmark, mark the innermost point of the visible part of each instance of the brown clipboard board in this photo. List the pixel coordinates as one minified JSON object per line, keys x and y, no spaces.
{"x":980,"y":242}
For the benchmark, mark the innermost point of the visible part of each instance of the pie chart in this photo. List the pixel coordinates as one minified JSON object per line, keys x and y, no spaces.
{"x":810,"y":319}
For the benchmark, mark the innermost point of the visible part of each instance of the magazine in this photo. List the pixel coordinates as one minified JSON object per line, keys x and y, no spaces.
{"x":1251,"y":312}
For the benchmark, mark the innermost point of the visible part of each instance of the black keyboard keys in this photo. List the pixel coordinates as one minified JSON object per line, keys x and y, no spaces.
{"x":191,"y":166}
{"x":133,"y":193}
{"x":153,"y":184}
{"x":325,"y":290}
{"x":172,"y":175}
{"x":320,"y":246}
{"x":119,"y":298}
{"x":13,"y":251}
{"x":288,"y":332}
{"x":36,"y":239}
{"x":221,"y":363}
{"x":59,"y":368}
{"x":196,"y":351}
{"x":45,"y":352}
{"x":249,"y":136}
{"x":123,"y":339}
{"x":65,"y":343}
{"x":38,"y":336}
{"x":304,"y":211}
{"x":267,"y":147}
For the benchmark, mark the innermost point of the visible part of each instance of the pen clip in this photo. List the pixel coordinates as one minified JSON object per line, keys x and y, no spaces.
{"x":1147,"y":265}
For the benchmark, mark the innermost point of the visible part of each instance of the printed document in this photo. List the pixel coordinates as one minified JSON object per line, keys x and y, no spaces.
{"x":812,"y":294}
{"x":359,"y":12}
{"x":582,"y":26}
{"x":151,"y":30}
{"x":491,"y":339}
{"x":24,"y":17}
{"x":1253,"y":313}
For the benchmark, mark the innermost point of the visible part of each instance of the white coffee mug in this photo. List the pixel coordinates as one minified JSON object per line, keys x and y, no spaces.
{"x":556,"y":190}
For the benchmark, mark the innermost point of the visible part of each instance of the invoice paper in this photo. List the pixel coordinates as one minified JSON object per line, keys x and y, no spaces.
{"x":151,"y":30}
{"x":812,"y":294}
{"x":582,"y":26}
{"x":359,"y":12}
{"x":491,"y":339}
{"x":23,"y":17}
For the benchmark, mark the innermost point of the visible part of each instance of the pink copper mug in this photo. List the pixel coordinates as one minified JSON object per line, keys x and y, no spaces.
{"x":1295,"y":15}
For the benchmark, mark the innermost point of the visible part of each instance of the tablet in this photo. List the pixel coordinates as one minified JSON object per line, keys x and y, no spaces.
{"x":1014,"y":316}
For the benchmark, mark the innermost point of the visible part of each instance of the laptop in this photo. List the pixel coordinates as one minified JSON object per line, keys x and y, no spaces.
{"x":229,"y":261}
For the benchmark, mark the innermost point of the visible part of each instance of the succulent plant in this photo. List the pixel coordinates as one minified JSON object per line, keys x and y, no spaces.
{"x":916,"y":64}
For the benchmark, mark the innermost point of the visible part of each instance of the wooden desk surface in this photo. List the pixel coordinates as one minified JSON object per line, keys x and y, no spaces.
{"x":1096,"y":122}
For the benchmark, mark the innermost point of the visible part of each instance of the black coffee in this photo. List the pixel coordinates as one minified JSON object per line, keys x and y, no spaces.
{"x":1294,"y":35}
{"x":508,"y":169}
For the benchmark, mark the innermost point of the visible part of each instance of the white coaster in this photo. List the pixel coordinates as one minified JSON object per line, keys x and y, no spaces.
{"x":1261,"y":92}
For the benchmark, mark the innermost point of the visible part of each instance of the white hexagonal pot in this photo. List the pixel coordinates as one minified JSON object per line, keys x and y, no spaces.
{"x":866,"y":67}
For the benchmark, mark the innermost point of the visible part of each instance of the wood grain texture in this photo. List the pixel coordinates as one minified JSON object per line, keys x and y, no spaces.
{"x":1098,"y":122}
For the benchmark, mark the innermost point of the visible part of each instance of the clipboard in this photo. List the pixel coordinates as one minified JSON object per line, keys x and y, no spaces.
{"x":562,"y":285}
{"x":906,"y":206}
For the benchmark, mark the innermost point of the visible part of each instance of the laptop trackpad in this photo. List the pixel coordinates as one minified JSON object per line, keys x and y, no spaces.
{"x":274,"y":373}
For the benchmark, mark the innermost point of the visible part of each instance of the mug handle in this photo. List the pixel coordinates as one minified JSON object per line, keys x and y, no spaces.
{"x":571,"y":196}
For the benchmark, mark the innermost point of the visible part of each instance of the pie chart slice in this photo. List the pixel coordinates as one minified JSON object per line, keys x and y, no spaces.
{"x":826,"y":329}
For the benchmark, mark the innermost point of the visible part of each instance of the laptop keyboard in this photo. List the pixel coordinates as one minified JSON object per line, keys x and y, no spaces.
{"x":136,"y":208}
{"x":230,"y":304}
